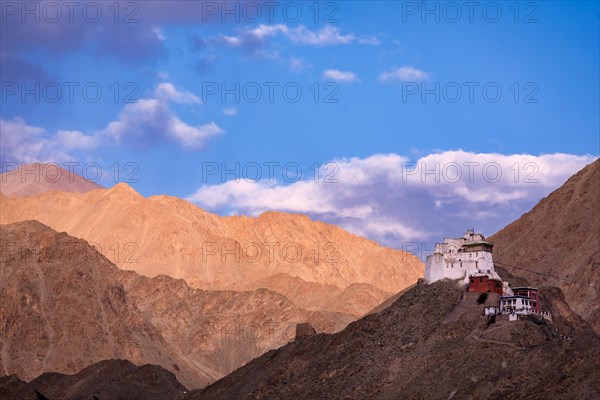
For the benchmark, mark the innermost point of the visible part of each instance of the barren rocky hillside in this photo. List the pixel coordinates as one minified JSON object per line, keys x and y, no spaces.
{"x":63,"y":306}
{"x":417,"y":349}
{"x":558,"y":243}
{"x":111,"y":379}
{"x":432,"y":342}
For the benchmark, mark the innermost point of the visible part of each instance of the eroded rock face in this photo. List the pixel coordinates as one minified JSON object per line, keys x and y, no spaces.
{"x":63,"y":307}
{"x":318,"y":266}
{"x":557,"y":243}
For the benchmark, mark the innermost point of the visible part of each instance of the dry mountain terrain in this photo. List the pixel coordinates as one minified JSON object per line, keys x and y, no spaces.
{"x":63,"y":307}
{"x":558,"y":243}
{"x":318,"y":266}
{"x":429,"y":344}
{"x":106,"y":380}
{"x":432,"y":342}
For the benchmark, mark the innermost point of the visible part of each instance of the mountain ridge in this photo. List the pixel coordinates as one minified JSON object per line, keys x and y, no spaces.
{"x":64,"y":306}
{"x":218,"y":253}
{"x":557,"y":243}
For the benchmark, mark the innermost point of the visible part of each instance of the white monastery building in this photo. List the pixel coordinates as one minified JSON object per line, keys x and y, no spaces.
{"x":469,"y":259}
{"x":460,"y":258}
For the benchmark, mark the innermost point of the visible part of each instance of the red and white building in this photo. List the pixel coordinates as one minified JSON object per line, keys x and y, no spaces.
{"x":530,"y":293}
{"x":483,"y":283}
{"x":515,"y":305}
{"x":524,"y":301}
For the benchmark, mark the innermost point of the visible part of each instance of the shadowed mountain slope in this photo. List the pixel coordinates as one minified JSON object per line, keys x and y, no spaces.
{"x":557,"y":243}
{"x":407,"y":352}
{"x":106,"y":380}
{"x":63,"y":307}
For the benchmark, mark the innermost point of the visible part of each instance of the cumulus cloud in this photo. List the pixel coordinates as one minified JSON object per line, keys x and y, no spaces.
{"x":373,"y":41}
{"x":394,"y":200}
{"x":27,"y":143}
{"x":326,"y":36}
{"x":142,"y":123}
{"x":404,"y":74}
{"x":166,"y":91}
{"x":339,"y":76}
{"x":151,"y":118}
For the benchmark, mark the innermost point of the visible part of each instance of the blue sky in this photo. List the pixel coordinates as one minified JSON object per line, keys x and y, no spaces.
{"x":384,"y":85}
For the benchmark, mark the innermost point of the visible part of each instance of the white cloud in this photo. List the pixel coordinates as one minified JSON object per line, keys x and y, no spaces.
{"x":298,"y":65}
{"x":160,"y":36}
{"x":373,"y":41}
{"x":232,"y":40}
{"x":404,"y":74}
{"x":382,"y":228}
{"x":339,"y":76}
{"x":230,"y":111}
{"x":264,"y":31}
{"x":26,"y":143}
{"x":166,"y":91}
{"x":393,"y":199}
{"x":326,"y":36}
{"x":151,"y":118}
{"x":141,"y":122}
{"x":192,"y":137}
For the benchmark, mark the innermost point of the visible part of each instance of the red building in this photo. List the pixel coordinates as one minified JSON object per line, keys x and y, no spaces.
{"x":484,"y":284}
{"x":531,"y":293}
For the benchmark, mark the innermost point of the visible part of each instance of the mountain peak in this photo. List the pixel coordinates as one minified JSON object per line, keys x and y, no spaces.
{"x":35,"y":178}
{"x":276,"y":215}
{"x":122,"y":189}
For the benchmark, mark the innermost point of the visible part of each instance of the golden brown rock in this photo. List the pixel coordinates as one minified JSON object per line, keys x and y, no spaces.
{"x":313,"y":263}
